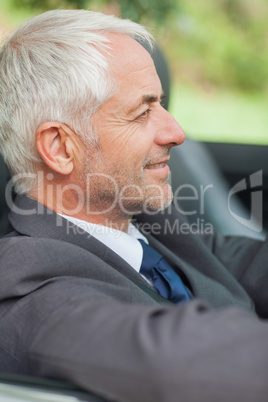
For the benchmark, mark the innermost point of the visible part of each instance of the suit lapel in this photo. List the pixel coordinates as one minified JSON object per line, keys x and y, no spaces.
{"x":32,"y":219}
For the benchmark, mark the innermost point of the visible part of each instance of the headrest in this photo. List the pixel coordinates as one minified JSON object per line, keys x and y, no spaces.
{"x":4,"y":178}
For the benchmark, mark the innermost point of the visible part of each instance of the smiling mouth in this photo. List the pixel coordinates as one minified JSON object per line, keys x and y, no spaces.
{"x":155,"y":166}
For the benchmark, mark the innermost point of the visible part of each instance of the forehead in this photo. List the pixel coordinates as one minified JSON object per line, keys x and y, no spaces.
{"x":132,"y":65}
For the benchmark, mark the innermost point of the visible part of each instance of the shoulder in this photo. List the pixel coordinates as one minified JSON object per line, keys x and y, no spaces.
{"x":29,"y":259}
{"x":17,"y":246}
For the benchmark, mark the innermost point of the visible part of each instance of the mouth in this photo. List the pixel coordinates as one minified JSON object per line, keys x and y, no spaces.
{"x":158,"y":171}
{"x":159,"y":165}
{"x":155,"y":166}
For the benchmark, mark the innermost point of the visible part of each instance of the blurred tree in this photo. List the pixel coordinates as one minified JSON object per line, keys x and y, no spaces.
{"x":136,"y":10}
{"x":50,"y":4}
{"x":221,"y":44}
{"x":154,"y":10}
{"x":210,"y":44}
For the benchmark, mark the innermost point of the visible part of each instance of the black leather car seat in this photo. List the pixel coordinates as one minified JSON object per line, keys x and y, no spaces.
{"x":196,"y":176}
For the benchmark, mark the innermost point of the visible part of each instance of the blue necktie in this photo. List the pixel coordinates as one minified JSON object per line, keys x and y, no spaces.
{"x":166,"y":281}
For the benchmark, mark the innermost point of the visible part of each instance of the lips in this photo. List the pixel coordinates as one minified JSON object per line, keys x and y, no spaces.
{"x":155,"y":166}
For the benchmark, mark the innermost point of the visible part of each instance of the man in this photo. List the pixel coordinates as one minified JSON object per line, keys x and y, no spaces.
{"x":87,"y":141}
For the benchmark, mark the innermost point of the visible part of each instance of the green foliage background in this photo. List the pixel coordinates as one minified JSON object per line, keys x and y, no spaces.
{"x":211,"y":42}
{"x":223,"y":43}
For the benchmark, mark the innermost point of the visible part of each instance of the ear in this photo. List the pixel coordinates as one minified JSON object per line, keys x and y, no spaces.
{"x":56,"y":145}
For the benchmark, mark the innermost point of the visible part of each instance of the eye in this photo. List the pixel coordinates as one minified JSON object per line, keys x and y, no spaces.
{"x":144,"y":114}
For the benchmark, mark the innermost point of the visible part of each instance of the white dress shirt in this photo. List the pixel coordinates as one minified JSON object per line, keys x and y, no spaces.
{"x":126,"y":245}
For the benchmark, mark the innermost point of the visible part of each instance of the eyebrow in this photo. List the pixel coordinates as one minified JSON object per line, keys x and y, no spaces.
{"x":150,"y":98}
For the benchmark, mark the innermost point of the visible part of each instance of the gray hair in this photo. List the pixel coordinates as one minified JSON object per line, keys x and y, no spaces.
{"x":54,"y":68}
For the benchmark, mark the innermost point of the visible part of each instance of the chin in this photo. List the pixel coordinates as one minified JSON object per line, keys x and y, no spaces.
{"x":154,"y":204}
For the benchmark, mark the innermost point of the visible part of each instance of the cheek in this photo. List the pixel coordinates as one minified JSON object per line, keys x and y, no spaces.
{"x":126,"y":144}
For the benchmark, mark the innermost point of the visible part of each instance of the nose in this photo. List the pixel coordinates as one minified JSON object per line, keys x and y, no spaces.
{"x":169,"y":132}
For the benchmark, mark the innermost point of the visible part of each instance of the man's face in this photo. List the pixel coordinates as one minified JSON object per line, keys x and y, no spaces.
{"x":128,"y":172}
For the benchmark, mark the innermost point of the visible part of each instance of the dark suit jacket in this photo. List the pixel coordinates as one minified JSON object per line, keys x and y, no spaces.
{"x":72,"y":309}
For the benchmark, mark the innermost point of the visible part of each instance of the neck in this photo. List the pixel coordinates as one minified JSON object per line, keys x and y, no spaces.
{"x":72,"y":205}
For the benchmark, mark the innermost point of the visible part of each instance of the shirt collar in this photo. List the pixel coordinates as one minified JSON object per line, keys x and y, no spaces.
{"x":126,"y":245}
